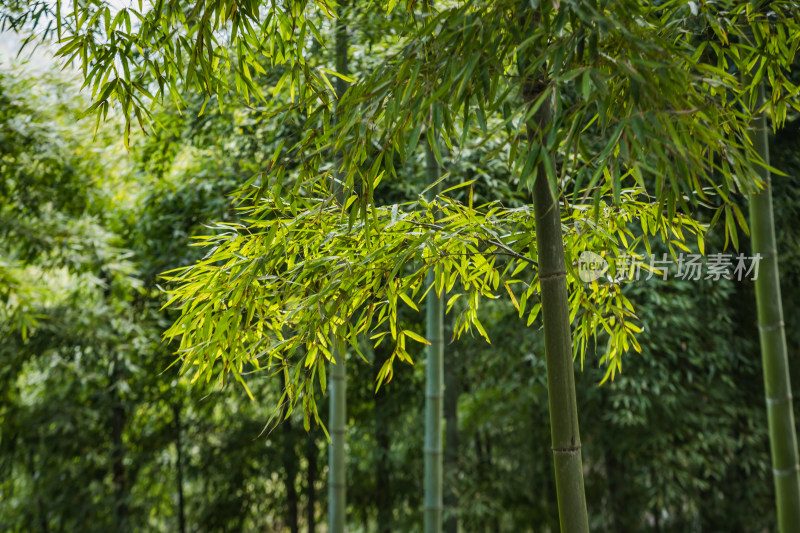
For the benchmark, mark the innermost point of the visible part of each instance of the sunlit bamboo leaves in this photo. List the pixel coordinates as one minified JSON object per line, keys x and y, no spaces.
{"x":642,"y":94}
{"x":271,"y":293}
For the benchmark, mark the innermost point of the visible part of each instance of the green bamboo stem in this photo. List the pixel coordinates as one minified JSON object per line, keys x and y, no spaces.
{"x":778,"y":392}
{"x":176,"y":410}
{"x":563,"y":405}
{"x":337,"y":459}
{"x":450,"y":462}
{"x":337,"y":479}
{"x":434,"y":385}
{"x":434,"y":378}
{"x":565,"y":436}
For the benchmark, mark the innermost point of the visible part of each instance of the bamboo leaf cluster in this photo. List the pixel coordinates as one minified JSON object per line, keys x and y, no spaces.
{"x":273,"y":291}
{"x":640,"y":96}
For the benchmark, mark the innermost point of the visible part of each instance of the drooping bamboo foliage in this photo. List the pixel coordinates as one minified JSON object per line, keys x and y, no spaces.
{"x":337,"y":459}
{"x":586,"y":73}
{"x":434,"y":385}
{"x":381,"y":117}
{"x":778,"y":391}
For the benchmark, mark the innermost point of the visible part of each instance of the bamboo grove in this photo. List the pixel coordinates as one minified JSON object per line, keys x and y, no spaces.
{"x":627,"y":124}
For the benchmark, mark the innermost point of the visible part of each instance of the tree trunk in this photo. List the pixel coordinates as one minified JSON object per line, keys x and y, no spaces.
{"x":336,"y":451}
{"x":118,"y":421}
{"x":618,"y":505}
{"x":176,"y":409}
{"x":490,"y":463}
{"x":565,"y":437}
{"x":451,"y":445}
{"x":782,"y":435}
{"x":383,"y":490}
{"x":337,"y":488}
{"x":43,"y":516}
{"x":434,"y":385}
{"x":482,"y":471}
{"x":290,"y":468}
{"x":311,"y":481}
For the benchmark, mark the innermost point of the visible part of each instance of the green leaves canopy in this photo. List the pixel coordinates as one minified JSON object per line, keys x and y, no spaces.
{"x":643,"y":96}
{"x":274,"y":290}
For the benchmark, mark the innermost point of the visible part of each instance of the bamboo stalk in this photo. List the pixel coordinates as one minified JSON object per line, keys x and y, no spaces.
{"x":337,"y":476}
{"x":778,"y":392}
{"x":176,"y":410}
{"x":311,"y":482}
{"x":434,"y":385}
{"x":565,"y":436}
{"x":450,"y":462}
{"x":434,"y":375}
{"x":564,"y":432}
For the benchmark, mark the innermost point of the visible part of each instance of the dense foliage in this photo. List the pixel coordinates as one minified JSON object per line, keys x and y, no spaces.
{"x":100,"y":431}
